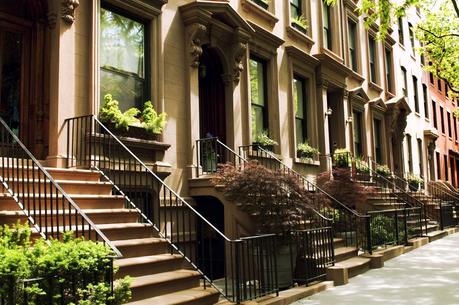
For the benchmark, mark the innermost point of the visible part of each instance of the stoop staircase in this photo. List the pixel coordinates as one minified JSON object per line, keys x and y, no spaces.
{"x":159,"y":277}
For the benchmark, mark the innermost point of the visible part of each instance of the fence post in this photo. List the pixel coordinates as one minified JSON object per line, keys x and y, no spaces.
{"x":405,"y":220}
{"x":237,"y":263}
{"x":368,"y":227}
{"x":396,"y":225}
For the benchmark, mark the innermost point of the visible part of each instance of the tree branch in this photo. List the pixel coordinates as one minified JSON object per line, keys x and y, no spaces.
{"x":456,"y":7}
{"x":439,"y":36}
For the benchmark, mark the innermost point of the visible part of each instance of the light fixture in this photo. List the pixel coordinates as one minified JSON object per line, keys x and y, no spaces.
{"x":329,"y":111}
{"x":349,"y":120}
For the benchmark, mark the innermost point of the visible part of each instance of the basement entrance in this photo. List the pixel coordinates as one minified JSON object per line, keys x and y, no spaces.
{"x":212,"y":114}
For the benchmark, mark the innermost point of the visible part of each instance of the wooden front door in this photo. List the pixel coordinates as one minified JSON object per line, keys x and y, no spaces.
{"x":23,"y":54}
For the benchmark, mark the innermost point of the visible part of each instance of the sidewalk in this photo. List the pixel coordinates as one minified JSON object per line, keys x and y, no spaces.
{"x":425,"y":276}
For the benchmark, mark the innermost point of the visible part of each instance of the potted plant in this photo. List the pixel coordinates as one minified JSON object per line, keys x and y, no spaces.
{"x":306,"y":151}
{"x":256,"y":190}
{"x":264,"y":141}
{"x":383,"y":170}
{"x":342,"y":158}
{"x":132,"y":123}
{"x":263,"y":3}
{"x":300,"y":23}
{"x":414,"y":182}
{"x":361,"y":166}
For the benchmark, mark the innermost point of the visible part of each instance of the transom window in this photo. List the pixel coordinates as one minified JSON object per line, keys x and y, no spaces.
{"x":123,"y":60}
{"x":300,"y":100}
{"x":259,"y":105}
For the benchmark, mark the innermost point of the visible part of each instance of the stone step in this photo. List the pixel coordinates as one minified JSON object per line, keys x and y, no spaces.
{"x":7,"y":203}
{"x":97,"y":216}
{"x":69,"y":186}
{"x":158,"y":284}
{"x":193,"y":296}
{"x":56,"y":173}
{"x":141,"y":247}
{"x":343,"y":253}
{"x":145,"y":265}
{"x":342,"y":271}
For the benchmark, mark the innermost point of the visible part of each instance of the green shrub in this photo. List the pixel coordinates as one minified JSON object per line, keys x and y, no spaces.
{"x":151,"y":121}
{"x":382,"y":230}
{"x":341,"y":157}
{"x":304,"y":150}
{"x":383,"y":170}
{"x":362,"y":166}
{"x":71,"y":271}
{"x":264,"y":140}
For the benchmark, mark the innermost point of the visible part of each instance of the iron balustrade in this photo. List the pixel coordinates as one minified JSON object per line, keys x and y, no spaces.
{"x":47,"y":207}
{"x":393,"y":226}
{"x":448,"y":204}
{"x":347,"y":223}
{"x":90,"y":144}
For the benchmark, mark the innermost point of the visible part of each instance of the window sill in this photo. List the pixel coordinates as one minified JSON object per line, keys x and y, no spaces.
{"x":257,"y":10}
{"x":401,"y":46}
{"x":332,"y":54}
{"x":389,"y":95}
{"x":357,"y":76}
{"x":417,"y":114}
{"x":427,"y":119}
{"x":306,"y":161}
{"x":300,"y":37}
{"x":375,"y":86}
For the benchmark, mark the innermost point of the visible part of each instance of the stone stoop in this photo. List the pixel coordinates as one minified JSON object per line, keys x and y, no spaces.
{"x":159,"y":277}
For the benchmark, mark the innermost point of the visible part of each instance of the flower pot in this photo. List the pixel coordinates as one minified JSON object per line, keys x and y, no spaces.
{"x":299,"y":27}
{"x":132,"y":132}
{"x":261,"y":3}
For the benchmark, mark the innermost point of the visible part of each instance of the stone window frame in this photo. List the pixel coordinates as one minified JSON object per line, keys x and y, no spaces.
{"x":350,"y":15}
{"x":336,"y":30}
{"x":295,"y":34}
{"x":263,"y":45}
{"x":148,"y":11}
{"x":303,"y":65}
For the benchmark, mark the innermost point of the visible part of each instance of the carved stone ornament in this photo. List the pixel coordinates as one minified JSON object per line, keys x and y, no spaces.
{"x":68,"y":10}
{"x":195,"y":46}
{"x":239,"y":52}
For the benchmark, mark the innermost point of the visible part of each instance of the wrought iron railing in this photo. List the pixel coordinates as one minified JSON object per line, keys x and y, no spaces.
{"x":347,"y":223}
{"x":92,"y":145}
{"x":393,"y":227}
{"x":446,"y":204}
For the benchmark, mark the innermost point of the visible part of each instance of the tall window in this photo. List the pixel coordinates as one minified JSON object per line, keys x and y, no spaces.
{"x":421,"y":167}
{"x":445,"y":165}
{"x":372,"y":58}
{"x":410,"y":28}
{"x":434,"y":114}
{"x":416,"y":95}
{"x":296,"y":8}
{"x":123,"y":61}
{"x":401,"y":37}
{"x":257,"y":70}
{"x":405,"y":82}
{"x":455,"y":127}
{"x":426,"y":100}
{"x":439,"y":84}
{"x":327,"y":24}
{"x":378,"y":141}
{"x":388,"y":58}
{"x":352,"y":30}
{"x":358,"y":144}
{"x":437,"y":157}
{"x":450,"y":131}
{"x":300,"y":97}
{"x":442,"y":120}
{"x":410,"y":153}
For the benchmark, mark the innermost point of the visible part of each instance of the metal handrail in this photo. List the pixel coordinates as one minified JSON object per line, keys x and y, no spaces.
{"x":57,"y":187}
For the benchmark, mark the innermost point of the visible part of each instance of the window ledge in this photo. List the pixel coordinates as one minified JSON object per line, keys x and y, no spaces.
{"x":306,"y":161}
{"x":357,"y":76}
{"x":332,"y":54}
{"x":375,"y":86}
{"x":427,"y":119}
{"x":300,"y":37}
{"x":389,"y":95}
{"x":257,"y":10}
{"x":401,"y":46}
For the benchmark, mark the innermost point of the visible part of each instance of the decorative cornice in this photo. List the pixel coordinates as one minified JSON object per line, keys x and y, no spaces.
{"x":68,"y":10}
{"x":302,"y":56}
{"x":195,"y":33}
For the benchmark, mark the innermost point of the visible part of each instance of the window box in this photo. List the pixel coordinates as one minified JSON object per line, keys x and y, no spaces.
{"x":299,"y":28}
{"x":261,"y":3}
{"x":133,"y":132}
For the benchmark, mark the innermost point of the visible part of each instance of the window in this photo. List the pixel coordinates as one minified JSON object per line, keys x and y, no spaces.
{"x":450,"y":131}
{"x":415,"y":92}
{"x":451,"y":167}
{"x":123,"y":61}
{"x":442,"y":120}
{"x":401,"y":38}
{"x":372,"y":58}
{"x":437,"y":157}
{"x":257,"y":70}
{"x":431,"y":78}
{"x":445,"y":165}
{"x":410,"y":153}
{"x":410,"y":28}
{"x":300,"y":98}
{"x":455,"y":127}
{"x":358,"y":144}
{"x":439,"y":84}
{"x":405,"y":82}
{"x":352,"y":30}
{"x":421,"y":167}
{"x":426,"y":100}
{"x":296,"y":9}
{"x":434,"y":114}
{"x":378,"y":140}
{"x":327,"y":26}
{"x":388,"y":57}
{"x":446,"y":90}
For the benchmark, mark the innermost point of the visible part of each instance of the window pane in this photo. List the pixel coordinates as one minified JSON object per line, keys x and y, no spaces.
{"x":298,"y":97}
{"x":352,"y":45}
{"x":295,"y":8}
{"x":122,"y":59}
{"x":257,"y":93}
{"x":372,"y":49}
{"x":300,"y":136}
{"x":257,"y":121}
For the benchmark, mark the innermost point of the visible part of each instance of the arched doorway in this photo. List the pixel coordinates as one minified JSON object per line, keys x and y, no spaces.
{"x":23,"y":54}
{"x":212,"y":112}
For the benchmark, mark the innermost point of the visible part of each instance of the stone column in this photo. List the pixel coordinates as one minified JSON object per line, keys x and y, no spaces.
{"x":322,"y":124}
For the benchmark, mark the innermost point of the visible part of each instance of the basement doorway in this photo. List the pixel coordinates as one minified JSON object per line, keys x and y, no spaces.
{"x":211,"y":246}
